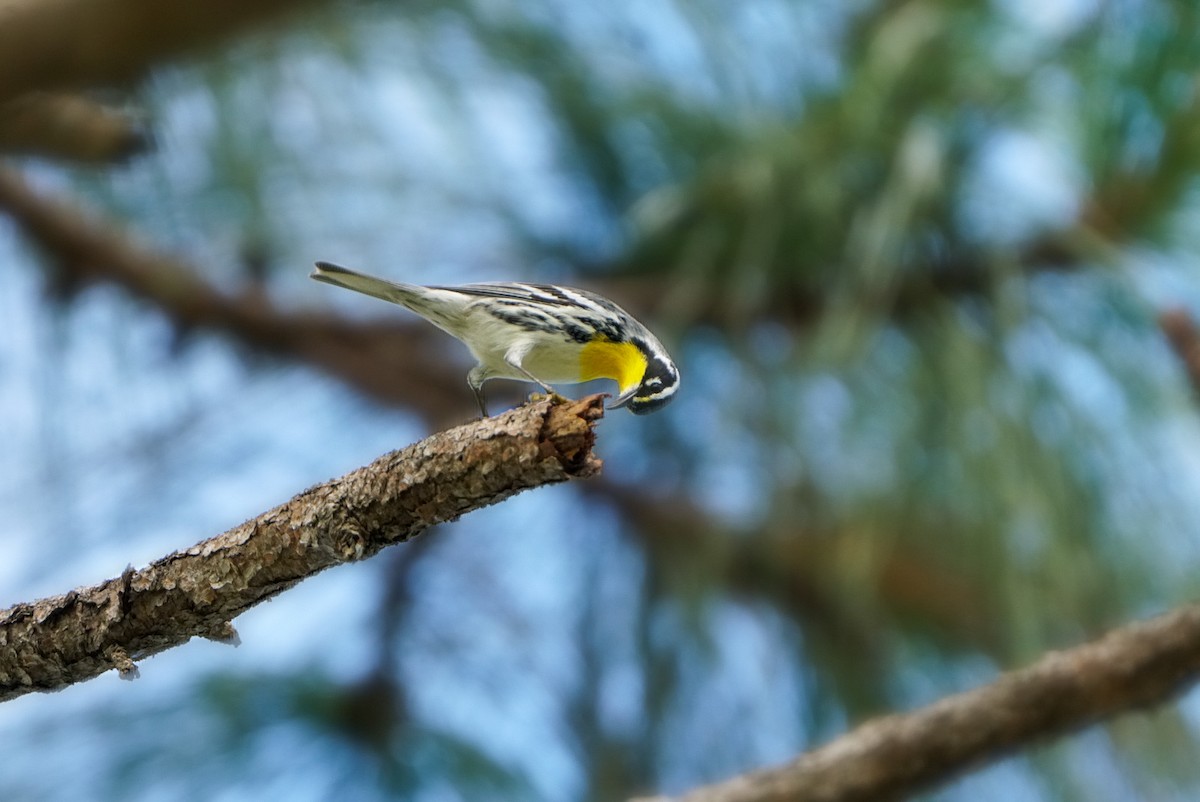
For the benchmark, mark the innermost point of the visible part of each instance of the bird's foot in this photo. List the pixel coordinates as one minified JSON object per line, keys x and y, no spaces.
{"x":558,"y":398}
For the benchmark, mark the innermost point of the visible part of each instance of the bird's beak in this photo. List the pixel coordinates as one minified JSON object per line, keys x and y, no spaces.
{"x":624,"y":398}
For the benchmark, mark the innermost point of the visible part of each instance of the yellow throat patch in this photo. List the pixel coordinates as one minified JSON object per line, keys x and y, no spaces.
{"x":605,"y":359}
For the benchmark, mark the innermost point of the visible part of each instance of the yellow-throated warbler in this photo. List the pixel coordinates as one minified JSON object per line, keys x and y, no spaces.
{"x":535,"y":332}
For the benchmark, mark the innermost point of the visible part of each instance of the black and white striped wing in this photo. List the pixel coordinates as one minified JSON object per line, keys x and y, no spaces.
{"x":549,"y":306}
{"x":537,"y":294}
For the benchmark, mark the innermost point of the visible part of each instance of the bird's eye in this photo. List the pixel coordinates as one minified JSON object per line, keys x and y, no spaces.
{"x":656,"y":382}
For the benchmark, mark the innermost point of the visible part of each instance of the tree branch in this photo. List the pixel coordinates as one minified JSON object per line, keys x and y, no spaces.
{"x":58,"y":641}
{"x":1184,"y":338}
{"x":56,"y":45}
{"x":65,"y":44}
{"x":71,"y":127}
{"x":1137,"y":666}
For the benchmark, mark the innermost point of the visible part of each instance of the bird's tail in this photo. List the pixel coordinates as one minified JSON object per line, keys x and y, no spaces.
{"x":408,"y":295}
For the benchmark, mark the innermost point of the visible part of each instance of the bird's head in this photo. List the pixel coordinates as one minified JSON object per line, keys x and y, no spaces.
{"x":659,"y":381}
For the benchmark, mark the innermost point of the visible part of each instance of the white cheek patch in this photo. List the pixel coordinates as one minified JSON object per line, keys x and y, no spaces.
{"x":666,"y":392}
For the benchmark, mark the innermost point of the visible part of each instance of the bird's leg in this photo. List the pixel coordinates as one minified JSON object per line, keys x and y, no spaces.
{"x":475,"y":379}
{"x":514,"y":358}
{"x":483,"y":413}
{"x":514,"y":361}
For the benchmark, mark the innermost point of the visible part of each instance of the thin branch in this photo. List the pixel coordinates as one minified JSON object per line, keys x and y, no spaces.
{"x":1137,"y":666}
{"x":1184,"y":336}
{"x":58,"y":641}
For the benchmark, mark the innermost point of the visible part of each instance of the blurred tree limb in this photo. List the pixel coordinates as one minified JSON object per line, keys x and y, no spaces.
{"x":69,"y":126}
{"x":792,"y":566}
{"x":801,"y":571}
{"x":58,"y":641}
{"x":375,"y":357}
{"x":60,"y":45}
{"x":1131,"y":668}
{"x":71,"y":44}
{"x":1184,"y":336}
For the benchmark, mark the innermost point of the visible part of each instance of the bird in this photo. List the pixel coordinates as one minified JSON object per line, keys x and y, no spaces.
{"x":542,"y":333}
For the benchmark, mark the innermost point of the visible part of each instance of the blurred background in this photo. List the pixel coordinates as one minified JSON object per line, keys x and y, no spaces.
{"x":911,"y":257}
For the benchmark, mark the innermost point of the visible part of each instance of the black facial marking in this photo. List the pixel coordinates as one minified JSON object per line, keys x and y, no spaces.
{"x":657,"y":387}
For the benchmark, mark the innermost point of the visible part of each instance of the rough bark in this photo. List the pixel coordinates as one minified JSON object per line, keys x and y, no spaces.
{"x":1134,"y":667}
{"x":58,"y":641}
